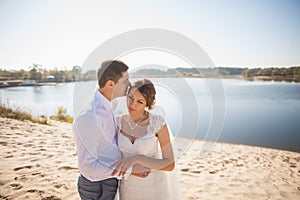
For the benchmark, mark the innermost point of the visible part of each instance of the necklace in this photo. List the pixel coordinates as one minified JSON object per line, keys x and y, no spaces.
{"x":132,"y":127}
{"x":134,"y":123}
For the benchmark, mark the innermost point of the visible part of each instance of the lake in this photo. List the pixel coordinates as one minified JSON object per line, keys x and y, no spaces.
{"x":256,"y":113}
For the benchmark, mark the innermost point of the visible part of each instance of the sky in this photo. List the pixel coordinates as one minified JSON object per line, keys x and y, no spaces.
{"x":233,"y":33}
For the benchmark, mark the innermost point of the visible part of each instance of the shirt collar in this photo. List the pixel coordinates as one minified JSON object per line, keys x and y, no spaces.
{"x":104,"y":101}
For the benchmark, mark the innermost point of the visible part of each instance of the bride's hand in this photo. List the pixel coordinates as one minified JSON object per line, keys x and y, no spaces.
{"x":123,"y":165}
{"x":140,"y":171}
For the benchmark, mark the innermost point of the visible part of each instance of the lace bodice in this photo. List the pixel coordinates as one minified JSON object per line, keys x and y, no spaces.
{"x":147,"y":144}
{"x":159,"y":185}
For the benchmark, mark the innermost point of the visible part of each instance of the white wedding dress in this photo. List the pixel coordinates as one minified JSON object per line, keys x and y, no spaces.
{"x":158,"y":185}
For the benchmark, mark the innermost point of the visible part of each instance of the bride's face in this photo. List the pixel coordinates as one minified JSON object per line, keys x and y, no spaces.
{"x":136,"y":102}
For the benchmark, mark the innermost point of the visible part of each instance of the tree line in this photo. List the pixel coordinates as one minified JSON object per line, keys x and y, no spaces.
{"x":40,"y":74}
{"x":191,"y":72}
{"x":277,"y":74}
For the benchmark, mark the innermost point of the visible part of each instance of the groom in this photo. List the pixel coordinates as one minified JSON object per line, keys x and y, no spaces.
{"x":95,"y":135}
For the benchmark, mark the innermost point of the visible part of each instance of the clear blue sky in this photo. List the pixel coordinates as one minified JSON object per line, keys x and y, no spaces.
{"x":246,"y":33}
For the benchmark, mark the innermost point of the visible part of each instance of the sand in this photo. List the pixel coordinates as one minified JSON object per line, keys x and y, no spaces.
{"x":39,"y":162}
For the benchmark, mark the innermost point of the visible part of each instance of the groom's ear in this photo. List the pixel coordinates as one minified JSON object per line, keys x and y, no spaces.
{"x":110,"y":84}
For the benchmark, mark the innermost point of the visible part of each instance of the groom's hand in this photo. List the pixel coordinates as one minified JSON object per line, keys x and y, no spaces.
{"x":140,"y":171}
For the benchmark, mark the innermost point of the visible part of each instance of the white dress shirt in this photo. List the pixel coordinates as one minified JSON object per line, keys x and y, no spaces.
{"x":95,"y":135}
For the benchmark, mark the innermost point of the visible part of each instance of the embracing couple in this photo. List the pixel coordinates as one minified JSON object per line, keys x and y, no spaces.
{"x":124,"y":153}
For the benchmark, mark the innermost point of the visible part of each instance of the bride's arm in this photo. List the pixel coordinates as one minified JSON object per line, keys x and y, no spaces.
{"x":166,"y":163}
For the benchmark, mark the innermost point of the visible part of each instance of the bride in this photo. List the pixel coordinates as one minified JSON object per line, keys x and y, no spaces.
{"x":144,"y":139}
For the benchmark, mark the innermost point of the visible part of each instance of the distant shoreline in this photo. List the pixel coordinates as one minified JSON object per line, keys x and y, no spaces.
{"x":35,"y":77}
{"x":18,"y":83}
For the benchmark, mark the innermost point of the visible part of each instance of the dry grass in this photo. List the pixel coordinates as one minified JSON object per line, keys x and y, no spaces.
{"x":20,"y":115}
{"x":17,"y":113}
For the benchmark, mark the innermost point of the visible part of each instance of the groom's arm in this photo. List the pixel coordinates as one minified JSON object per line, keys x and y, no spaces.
{"x":87,"y":134}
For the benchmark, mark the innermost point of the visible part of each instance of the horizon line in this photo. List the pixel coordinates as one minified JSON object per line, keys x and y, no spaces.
{"x":219,"y":66}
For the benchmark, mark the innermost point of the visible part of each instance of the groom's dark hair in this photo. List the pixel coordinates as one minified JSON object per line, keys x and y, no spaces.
{"x":110,"y":70}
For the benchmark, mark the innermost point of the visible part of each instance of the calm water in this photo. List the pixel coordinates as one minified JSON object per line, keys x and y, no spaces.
{"x":257,"y":113}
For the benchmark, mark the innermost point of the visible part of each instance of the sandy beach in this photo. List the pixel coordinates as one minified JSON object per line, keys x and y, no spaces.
{"x":39,"y":162}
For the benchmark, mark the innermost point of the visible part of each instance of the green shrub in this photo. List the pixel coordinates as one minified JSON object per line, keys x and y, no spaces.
{"x":61,"y":115}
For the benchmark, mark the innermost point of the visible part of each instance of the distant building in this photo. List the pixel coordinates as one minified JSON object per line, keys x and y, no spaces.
{"x":50,"y":78}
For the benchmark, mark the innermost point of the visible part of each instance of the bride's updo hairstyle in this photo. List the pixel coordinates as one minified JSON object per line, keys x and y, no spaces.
{"x":147,"y":89}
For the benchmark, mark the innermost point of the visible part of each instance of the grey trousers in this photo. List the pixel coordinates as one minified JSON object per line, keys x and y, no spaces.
{"x":98,"y":190}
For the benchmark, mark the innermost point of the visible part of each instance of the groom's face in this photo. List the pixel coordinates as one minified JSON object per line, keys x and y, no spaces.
{"x":121,"y":86}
